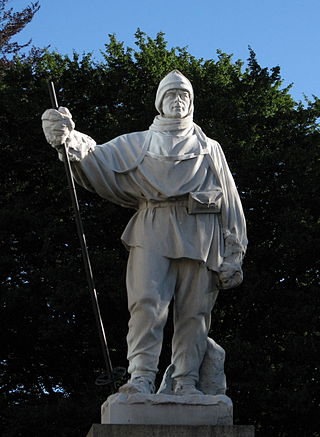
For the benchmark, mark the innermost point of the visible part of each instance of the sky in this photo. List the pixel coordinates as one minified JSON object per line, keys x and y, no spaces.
{"x":281,"y":32}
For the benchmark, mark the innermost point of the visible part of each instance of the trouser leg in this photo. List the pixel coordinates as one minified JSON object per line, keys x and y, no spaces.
{"x":195,"y":295}
{"x":150,"y":285}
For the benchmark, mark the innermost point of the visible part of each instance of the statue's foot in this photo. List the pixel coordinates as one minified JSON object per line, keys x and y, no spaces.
{"x":186,"y":389}
{"x":139,"y":384}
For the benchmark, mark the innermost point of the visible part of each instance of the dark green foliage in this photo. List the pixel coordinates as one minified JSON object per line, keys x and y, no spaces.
{"x":269,"y":326}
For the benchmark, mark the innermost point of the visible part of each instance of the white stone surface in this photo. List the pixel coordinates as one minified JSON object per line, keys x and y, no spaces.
{"x":115,"y":430}
{"x":212,"y":379}
{"x":175,"y":254}
{"x":57,"y":125}
{"x":163,"y":409}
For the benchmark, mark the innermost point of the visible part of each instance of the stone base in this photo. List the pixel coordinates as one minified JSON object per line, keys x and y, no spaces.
{"x":98,"y":430}
{"x":161,"y":409}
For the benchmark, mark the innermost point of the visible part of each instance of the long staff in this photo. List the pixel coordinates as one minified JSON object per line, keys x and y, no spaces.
{"x":84,"y":249}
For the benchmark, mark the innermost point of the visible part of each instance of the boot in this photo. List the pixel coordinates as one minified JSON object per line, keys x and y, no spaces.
{"x":185,"y":388}
{"x":138,"y":384}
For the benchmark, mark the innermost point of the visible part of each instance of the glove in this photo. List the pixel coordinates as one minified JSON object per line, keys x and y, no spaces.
{"x":57,"y":125}
{"x":230,"y":273}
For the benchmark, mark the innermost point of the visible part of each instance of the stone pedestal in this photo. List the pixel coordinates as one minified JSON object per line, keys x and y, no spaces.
{"x":161,"y":409}
{"x":98,"y":430}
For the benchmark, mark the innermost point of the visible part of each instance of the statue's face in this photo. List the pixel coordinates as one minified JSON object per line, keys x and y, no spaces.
{"x":175,"y":103}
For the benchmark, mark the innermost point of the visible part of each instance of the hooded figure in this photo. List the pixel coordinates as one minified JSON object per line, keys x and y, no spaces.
{"x":173,"y":80}
{"x":186,"y":239}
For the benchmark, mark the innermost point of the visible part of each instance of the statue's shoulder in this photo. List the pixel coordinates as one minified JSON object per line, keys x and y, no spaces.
{"x":125,"y":152}
{"x":212,"y":145}
{"x":132,"y":137}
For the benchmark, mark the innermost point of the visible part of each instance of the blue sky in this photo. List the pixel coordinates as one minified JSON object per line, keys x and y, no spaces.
{"x":281,"y":32}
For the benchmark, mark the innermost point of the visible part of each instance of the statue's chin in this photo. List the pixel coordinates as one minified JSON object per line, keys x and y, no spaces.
{"x":177,"y":115}
{"x":50,"y":138}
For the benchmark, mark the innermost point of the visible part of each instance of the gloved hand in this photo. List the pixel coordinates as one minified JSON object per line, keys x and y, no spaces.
{"x":230,"y":272}
{"x":57,"y":125}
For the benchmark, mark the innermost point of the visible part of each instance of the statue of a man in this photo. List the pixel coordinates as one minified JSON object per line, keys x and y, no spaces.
{"x":188,"y":235}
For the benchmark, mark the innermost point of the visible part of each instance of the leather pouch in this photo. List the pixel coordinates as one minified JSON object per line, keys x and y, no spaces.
{"x":205,"y":202}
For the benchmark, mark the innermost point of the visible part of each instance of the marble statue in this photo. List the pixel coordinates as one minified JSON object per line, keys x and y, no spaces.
{"x":186,"y":240}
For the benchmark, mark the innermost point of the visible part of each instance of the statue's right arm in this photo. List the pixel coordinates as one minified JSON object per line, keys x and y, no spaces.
{"x":92,"y":166}
{"x":58,"y":128}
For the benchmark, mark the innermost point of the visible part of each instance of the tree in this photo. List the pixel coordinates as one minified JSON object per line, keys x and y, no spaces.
{"x":11,"y":23}
{"x":268,"y":326}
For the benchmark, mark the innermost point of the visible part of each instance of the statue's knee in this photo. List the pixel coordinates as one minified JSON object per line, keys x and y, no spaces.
{"x":149,"y":307}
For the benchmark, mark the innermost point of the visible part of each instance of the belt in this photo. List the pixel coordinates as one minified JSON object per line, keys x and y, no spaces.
{"x":162,"y":204}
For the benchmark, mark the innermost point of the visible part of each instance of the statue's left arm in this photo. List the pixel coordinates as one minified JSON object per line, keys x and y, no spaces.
{"x":233,"y":225}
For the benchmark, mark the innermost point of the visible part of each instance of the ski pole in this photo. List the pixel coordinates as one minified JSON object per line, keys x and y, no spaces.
{"x":84,"y":250}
